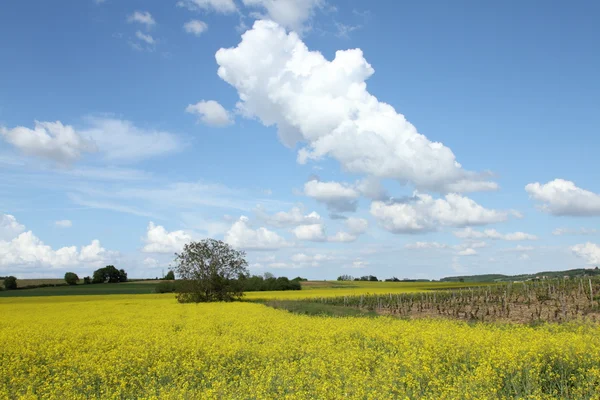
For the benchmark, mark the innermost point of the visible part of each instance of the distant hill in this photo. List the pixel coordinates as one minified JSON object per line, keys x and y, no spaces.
{"x":571,"y":273}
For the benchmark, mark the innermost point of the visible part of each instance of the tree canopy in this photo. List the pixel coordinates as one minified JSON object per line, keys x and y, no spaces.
{"x":109,"y":274}
{"x":71,"y":278}
{"x":210,"y":270}
{"x":10,"y":283}
{"x":170,"y":276}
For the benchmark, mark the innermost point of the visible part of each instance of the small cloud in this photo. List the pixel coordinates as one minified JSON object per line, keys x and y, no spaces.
{"x":64,"y":223}
{"x":142,"y":17}
{"x":363,"y":14}
{"x":219,"y":6}
{"x":343,"y":30}
{"x":145,"y":38}
{"x":357,"y":264}
{"x":211,"y":113}
{"x":470,"y":233}
{"x":195,"y":27}
{"x":467,"y":252}
{"x":569,"y":231}
{"x":425,"y":245}
{"x":519,"y":249}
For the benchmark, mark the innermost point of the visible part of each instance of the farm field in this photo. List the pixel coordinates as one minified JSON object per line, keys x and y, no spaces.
{"x":126,"y":346}
{"x":145,"y":287}
{"x":309,"y":289}
{"x":326,"y":289}
{"x":21,"y":283}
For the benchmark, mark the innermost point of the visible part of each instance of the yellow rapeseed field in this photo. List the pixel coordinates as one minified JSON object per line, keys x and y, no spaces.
{"x":332,"y":289}
{"x":149,"y":346}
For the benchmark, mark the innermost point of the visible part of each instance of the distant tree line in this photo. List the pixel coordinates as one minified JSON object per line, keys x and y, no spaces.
{"x":370,"y":278}
{"x":257,"y":283}
{"x":244,"y":283}
{"x":108,"y":274}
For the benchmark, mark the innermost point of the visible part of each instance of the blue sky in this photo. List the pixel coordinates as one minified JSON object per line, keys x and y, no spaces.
{"x":415,"y":140}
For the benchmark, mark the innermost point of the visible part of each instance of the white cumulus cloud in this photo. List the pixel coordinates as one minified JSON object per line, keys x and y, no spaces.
{"x":25,"y":250}
{"x":338,"y":197}
{"x":467,"y":252}
{"x":425,"y":213}
{"x":312,"y":232}
{"x":51,"y":140}
{"x":562,"y":197}
{"x":342,"y":237}
{"x":317,"y":233}
{"x":326,"y":105}
{"x":292,"y":14}
{"x":242,"y":236}
{"x":283,"y":219}
{"x":9,"y":227}
{"x":210,"y":113}
{"x":159,"y":240}
{"x":590,"y":252}
{"x":118,"y":140}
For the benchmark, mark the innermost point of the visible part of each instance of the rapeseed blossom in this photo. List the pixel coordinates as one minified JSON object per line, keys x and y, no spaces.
{"x":149,"y":346}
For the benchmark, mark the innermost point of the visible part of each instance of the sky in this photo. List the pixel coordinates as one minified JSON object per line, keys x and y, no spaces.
{"x":321,"y":137}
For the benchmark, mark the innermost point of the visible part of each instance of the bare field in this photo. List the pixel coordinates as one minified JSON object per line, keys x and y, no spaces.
{"x":22,"y":283}
{"x":556,"y":300}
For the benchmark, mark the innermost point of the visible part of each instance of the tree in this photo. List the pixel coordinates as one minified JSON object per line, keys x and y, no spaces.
{"x":87,"y":280}
{"x":109,"y":274}
{"x":170,"y":276}
{"x":71,"y":278}
{"x":345,"y":278}
{"x":210,"y":270}
{"x":10,"y":283}
{"x":122,"y":275}
{"x":99,"y":276}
